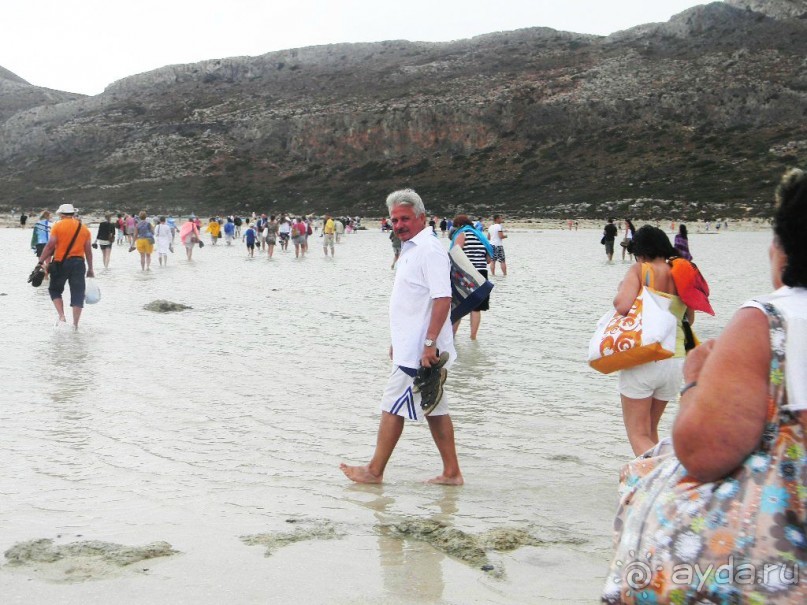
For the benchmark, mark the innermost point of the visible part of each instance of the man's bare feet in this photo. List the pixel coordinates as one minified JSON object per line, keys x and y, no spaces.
{"x":360,"y":474}
{"x":443,"y":480}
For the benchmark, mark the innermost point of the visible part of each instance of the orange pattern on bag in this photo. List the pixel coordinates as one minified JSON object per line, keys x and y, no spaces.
{"x":624,"y":331}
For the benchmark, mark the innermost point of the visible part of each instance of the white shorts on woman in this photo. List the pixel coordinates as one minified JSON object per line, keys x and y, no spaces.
{"x":658,"y":379}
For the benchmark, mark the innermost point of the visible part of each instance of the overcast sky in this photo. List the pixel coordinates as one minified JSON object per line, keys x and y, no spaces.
{"x":84,"y":45}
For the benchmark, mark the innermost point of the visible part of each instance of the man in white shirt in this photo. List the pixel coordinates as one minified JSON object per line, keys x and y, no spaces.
{"x":285,"y":233}
{"x":496,"y":236}
{"x":420,"y":331}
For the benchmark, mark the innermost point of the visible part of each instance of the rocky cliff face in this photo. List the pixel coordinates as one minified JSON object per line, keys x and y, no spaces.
{"x":781,"y":9}
{"x":703,"y":111}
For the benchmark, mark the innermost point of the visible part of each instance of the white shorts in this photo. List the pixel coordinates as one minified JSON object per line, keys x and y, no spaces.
{"x":658,"y":379}
{"x":399,"y":399}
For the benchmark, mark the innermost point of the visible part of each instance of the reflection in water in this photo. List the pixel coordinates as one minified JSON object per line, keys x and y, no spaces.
{"x":413,"y":569}
{"x":70,"y":380}
{"x":68,"y":354}
{"x":467,"y":378}
{"x":409,"y":567}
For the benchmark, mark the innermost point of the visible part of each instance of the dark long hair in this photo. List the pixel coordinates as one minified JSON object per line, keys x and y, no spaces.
{"x":651,"y":242}
{"x":682,"y":231}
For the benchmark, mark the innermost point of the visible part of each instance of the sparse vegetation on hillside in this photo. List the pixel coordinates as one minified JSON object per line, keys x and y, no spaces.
{"x":695,"y":117}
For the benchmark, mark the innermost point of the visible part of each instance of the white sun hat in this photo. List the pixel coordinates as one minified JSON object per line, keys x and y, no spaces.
{"x":66,"y":209}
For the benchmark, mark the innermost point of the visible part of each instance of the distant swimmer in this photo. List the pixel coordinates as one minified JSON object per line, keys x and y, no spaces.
{"x":422,"y":343}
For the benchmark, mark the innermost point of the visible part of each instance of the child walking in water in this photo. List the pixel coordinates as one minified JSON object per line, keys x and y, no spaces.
{"x":250,"y":236}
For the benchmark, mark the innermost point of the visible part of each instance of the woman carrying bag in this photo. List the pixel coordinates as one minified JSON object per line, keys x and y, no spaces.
{"x":645,"y":389}
{"x":724,"y":519}
{"x":479,"y":251}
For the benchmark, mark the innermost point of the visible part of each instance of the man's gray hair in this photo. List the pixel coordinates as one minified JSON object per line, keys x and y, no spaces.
{"x":406,"y":197}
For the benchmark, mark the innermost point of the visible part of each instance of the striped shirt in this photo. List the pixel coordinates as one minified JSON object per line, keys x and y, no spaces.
{"x":475,"y":250}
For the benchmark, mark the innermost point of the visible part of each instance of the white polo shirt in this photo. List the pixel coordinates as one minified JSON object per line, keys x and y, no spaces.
{"x":422,"y":274}
{"x":495,"y":233}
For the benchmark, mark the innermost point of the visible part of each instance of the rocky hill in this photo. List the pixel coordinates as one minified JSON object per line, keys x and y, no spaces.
{"x":18,"y":95}
{"x":694,"y":117}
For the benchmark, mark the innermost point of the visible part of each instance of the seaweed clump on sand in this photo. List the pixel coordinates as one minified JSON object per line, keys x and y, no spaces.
{"x":306,"y":530}
{"x":165,"y":306}
{"x":468,"y":548}
{"x":78,"y":561}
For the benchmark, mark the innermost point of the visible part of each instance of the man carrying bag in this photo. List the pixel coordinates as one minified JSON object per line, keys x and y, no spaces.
{"x":69,"y":245}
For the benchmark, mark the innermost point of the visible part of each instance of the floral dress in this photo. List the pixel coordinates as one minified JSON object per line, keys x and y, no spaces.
{"x":737,"y":540}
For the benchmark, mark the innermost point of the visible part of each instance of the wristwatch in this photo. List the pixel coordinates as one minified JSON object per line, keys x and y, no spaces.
{"x":428,"y":342}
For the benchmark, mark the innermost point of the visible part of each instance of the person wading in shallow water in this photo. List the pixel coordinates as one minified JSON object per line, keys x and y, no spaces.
{"x":608,"y":237}
{"x":421,"y":337}
{"x":69,"y":244}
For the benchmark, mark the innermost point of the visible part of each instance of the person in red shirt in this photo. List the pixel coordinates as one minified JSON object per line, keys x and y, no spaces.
{"x":63,"y":258}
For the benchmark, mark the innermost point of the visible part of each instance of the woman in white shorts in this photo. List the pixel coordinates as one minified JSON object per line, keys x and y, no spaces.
{"x":646,"y":389}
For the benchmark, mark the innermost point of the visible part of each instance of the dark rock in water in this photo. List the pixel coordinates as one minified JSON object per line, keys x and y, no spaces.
{"x":165,"y":306}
